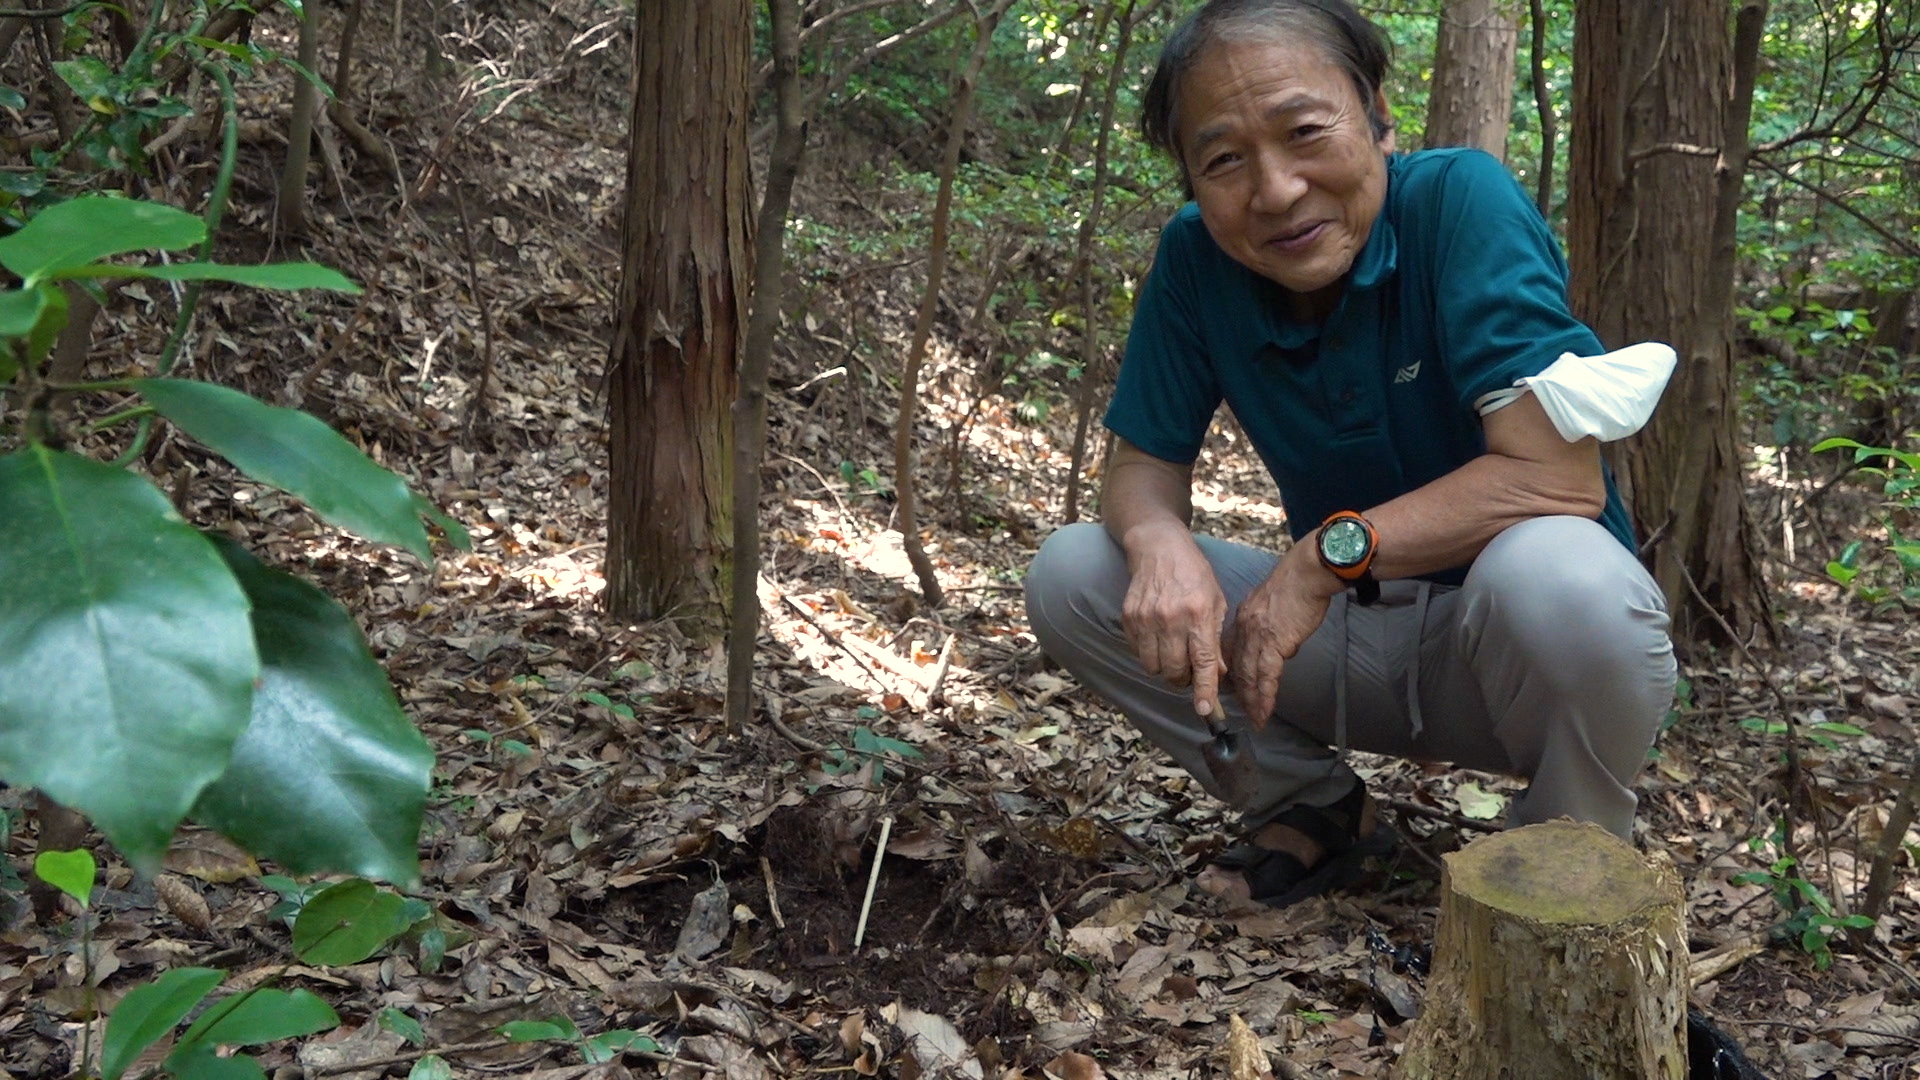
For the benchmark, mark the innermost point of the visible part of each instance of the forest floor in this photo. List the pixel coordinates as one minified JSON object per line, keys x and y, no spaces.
{"x":602,"y":846}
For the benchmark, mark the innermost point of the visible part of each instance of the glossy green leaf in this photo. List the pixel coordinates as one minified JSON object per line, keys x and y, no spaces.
{"x":149,"y":1012}
{"x":46,"y":330}
{"x":126,"y":656}
{"x":298,"y":454}
{"x":431,"y":1067}
{"x":203,"y":1064}
{"x":559,"y":1029}
{"x":72,"y":872}
{"x":399,"y":1023}
{"x":330,"y":775}
{"x":92,"y":227}
{"x":11,"y":98}
{"x":20,"y":309}
{"x":262,"y":1015}
{"x":346,"y":923}
{"x":433,"y":950}
{"x":608,"y":1045}
{"x":86,"y":76}
{"x":283,"y":276}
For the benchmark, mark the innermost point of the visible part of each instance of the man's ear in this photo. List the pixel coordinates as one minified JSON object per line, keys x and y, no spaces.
{"x":1383,"y":119}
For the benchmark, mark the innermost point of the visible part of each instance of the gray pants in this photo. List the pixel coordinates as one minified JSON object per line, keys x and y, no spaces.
{"x":1551,"y":662}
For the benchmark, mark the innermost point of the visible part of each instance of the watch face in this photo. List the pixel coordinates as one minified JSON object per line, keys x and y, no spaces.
{"x":1344,"y":543}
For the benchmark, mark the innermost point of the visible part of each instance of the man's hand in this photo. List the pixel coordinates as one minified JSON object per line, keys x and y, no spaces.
{"x":1173,"y":615}
{"x":1276,"y":619}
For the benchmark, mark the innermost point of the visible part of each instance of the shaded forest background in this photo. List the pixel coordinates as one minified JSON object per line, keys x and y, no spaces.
{"x":467,"y":165}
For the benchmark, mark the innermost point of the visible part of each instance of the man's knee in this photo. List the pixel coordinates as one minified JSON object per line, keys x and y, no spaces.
{"x":1559,"y":604}
{"x":1075,"y":567}
{"x":1565,"y":585}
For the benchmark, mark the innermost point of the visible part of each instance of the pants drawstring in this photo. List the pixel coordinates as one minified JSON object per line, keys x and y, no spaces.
{"x":1424,"y":590}
{"x":1339,"y":611}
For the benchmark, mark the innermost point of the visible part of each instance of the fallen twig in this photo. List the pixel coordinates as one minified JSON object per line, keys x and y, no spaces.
{"x":940,"y":671}
{"x":833,"y":639}
{"x":1707,"y":966}
{"x":1458,"y":821}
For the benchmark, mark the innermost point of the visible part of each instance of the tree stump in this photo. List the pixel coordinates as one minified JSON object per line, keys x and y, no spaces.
{"x":1561,"y":955}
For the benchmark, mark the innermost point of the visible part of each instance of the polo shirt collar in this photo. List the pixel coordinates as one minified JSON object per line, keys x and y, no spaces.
{"x":1377,"y":261}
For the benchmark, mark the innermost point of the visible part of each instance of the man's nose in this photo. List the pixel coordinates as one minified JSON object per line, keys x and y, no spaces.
{"x":1277,"y":184}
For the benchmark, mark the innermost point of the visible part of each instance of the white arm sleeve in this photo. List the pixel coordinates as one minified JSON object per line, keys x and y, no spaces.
{"x":1609,"y":396}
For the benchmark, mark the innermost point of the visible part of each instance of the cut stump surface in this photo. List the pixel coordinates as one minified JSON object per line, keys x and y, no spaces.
{"x":1561,"y":955}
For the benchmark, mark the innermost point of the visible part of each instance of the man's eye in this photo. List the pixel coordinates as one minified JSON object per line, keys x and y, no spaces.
{"x":1308,"y":131}
{"x":1220,"y":161}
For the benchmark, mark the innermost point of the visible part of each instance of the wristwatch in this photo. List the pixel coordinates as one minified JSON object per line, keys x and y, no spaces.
{"x":1346,"y":543}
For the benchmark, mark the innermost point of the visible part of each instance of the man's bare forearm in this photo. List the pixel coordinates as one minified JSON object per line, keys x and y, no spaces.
{"x":1446,"y":523}
{"x":1529,"y":471}
{"x":1145,"y":500}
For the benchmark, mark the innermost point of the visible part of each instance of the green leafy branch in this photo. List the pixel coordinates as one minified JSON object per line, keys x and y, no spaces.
{"x":133,"y":645}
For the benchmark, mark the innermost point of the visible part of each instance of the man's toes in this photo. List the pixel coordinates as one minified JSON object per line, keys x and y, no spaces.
{"x":1226,"y":884}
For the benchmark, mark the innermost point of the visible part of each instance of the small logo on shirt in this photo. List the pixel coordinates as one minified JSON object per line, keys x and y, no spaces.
{"x":1408,"y":373}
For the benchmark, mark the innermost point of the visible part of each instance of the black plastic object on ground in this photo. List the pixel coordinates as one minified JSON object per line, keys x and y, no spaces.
{"x":1713,"y":1055}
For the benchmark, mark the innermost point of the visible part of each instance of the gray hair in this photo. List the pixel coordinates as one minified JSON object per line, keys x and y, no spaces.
{"x":1334,"y":27}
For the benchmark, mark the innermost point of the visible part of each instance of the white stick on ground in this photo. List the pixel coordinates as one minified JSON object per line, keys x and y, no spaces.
{"x":773,"y":898}
{"x":873,"y":879}
{"x":940,"y":671}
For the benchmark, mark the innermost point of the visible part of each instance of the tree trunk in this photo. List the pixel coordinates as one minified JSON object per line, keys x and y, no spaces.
{"x":1561,"y":954}
{"x":1473,"y":58}
{"x":293,"y":178}
{"x":686,"y":247}
{"x":1543,"y":105}
{"x":1658,"y":154}
{"x":1092,"y":369}
{"x":903,"y":465}
{"x":750,"y":409}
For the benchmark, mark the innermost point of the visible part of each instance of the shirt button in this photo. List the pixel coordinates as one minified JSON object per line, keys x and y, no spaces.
{"x":1347,"y":396}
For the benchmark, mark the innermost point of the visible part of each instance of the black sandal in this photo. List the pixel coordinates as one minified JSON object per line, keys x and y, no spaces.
{"x":1279,"y":879}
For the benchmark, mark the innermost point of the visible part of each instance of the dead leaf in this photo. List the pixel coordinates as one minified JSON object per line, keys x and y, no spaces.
{"x":210,"y":857}
{"x":1072,"y":1066}
{"x":979,"y":865}
{"x":736,"y":1062}
{"x":1891,"y":706}
{"x":1478,"y":803}
{"x":1245,"y":1060}
{"x":708,"y":920}
{"x":1894,"y":1026}
{"x":935,"y":1043}
{"x":851,"y":1030}
{"x":182,"y":901}
{"x":336,"y":1052}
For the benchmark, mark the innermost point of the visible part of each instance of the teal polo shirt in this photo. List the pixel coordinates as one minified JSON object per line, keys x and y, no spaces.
{"x":1460,"y":290}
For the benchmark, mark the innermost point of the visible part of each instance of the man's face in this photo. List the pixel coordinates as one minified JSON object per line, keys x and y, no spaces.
{"x":1283,"y":162}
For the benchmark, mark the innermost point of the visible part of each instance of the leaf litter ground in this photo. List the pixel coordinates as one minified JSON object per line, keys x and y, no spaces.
{"x":600,"y":846}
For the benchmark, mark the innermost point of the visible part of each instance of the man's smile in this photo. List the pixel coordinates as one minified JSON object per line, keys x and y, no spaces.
{"x":1299,"y":237}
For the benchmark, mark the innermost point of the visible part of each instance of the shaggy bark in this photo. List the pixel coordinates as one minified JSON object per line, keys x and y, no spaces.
{"x":683,"y":290}
{"x":1472,"y":99}
{"x":1659,"y":151}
